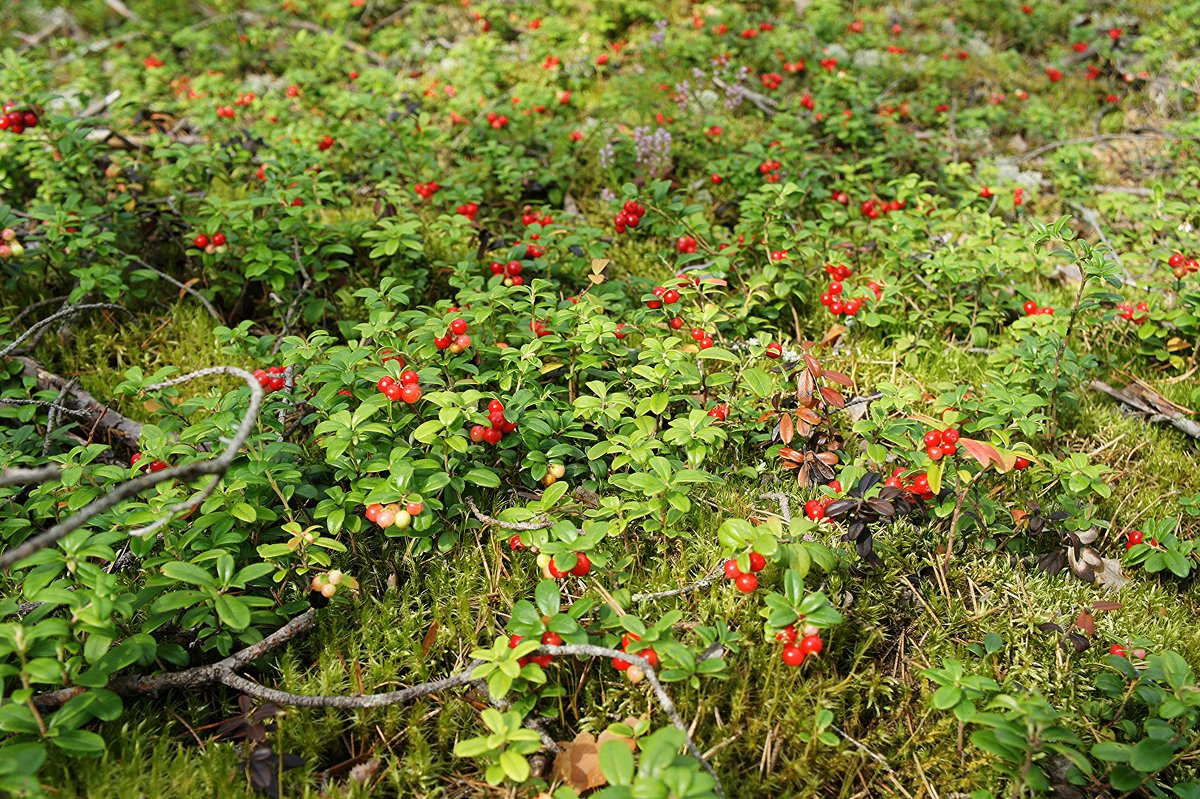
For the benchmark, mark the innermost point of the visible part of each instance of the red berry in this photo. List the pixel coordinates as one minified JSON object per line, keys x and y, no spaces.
{"x":650,"y":656}
{"x":551,"y":638}
{"x":792,"y":655}
{"x":409,"y":377}
{"x":458,"y":326}
{"x":1117,"y":649}
{"x":811,"y":644}
{"x":787,"y":635}
{"x":1136,"y":537}
{"x":410,"y":394}
{"x":949,"y":436}
{"x":200,"y":241}
{"x":670,"y":296}
{"x":747,"y":583}
{"x":757,"y":562}
{"x":933,"y":438}
{"x":218,"y":239}
{"x":1022,"y":463}
{"x":385,"y":383}
{"x":477,"y":433}
{"x":583,"y":565}
{"x":515,"y":542}
{"x":492,"y":436}
{"x":731,"y":569}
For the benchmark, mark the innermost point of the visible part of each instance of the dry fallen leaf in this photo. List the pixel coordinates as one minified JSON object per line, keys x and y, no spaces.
{"x":578,"y":764}
{"x":1086,"y":622}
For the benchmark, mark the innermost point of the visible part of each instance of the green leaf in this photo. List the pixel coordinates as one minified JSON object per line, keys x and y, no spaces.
{"x":233,"y":612}
{"x":516,"y":768}
{"x":79,"y":741}
{"x":483,"y":477}
{"x":553,"y":493}
{"x":616,"y":763}
{"x":1150,"y":755}
{"x":245,"y":512}
{"x":188,"y":573}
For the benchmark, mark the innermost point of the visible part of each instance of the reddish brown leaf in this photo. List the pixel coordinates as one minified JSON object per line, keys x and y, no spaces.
{"x":833,"y":397}
{"x":805,"y":385}
{"x":765,"y":416}
{"x":981,"y":451}
{"x":813,"y":365}
{"x":789,"y":454}
{"x":430,"y":637}
{"x":1086,"y":622}
{"x":803,"y":428}
{"x":808,"y":415}
{"x":839,"y":378}
{"x":785,"y":428}
{"x":1103,"y":604}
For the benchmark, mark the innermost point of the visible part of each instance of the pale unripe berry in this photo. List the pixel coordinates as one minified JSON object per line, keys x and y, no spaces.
{"x":558,"y":470}
{"x":328,"y":590}
{"x":334,"y":576}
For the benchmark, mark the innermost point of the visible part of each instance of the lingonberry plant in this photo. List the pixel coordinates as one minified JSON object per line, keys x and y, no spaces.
{"x":638,"y":395}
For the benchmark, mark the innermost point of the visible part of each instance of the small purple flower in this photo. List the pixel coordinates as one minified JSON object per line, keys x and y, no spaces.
{"x":607,"y":194}
{"x":607,"y":154}
{"x":659,"y":36}
{"x":653,"y":149}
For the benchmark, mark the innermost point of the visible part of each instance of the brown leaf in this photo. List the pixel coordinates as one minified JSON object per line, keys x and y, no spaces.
{"x":808,"y":415}
{"x":578,"y":764}
{"x":813,"y":365}
{"x":430,"y":637}
{"x":1104,"y":604}
{"x":839,"y":378}
{"x":1086,"y":622}
{"x":805,"y":386}
{"x":833,"y":397}
{"x":786,"y":430}
{"x":833,"y":334}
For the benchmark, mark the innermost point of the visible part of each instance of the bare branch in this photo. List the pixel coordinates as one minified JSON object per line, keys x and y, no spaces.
{"x":785,"y":505}
{"x":125,"y":431}
{"x":214,"y":466}
{"x":664,"y":699}
{"x":53,"y":406}
{"x":538,"y":525}
{"x":70,"y":310}
{"x":198,"y":676}
{"x":19,"y":476}
{"x":237,"y":682}
{"x":699,"y":585}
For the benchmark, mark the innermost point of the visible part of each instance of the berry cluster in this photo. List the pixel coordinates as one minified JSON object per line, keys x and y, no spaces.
{"x":499,"y":426}
{"x":554,"y":473}
{"x":1126,"y":312}
{"x":1138,"y":537}
{"x":941,"y":443}
{"x":632,"y":672}
{"x":497,"y":121}
{"x":539,"y":328}
{"x":1182,"y":266}
{"x":663,"y":294}
{"x":685,"y":244}
{"x":770,"y":170}
{"x":210,"y":244}
{"x":629,"y":216}
{"x":225,"y":112}
{"x":325,"y":143}
{"x":152,"y":466}
{"x":719,"y":412}
{"x":872,"y":209}
{"x":326,"y":584}
{"x":582,"y":567}
{"x":529,"y":218}
{"x":832,"y":299}
{"x":468,"y":210}
{"x":771,"y":80}
{"x":456,"y":339}
{"x":9,"y":246}
{"x":795,"y":653}
{"x":746,"y":582}
{"x":272,"y":379}
{"x":406,"y":389}
{"x":17,"y":120}
{"x":549,"y":638}
{"x":703,"y":339}
{"x":511,"y":272}
{"x":1033,"y":309}
{"x":393,"y":515}
{"x":427,"y":190}
{"x":918,"y":485}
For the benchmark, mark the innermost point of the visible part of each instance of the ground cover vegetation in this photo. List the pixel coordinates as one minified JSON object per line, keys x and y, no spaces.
{"x":613,"y":398}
